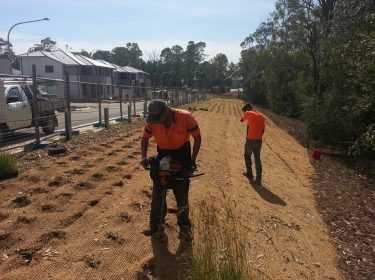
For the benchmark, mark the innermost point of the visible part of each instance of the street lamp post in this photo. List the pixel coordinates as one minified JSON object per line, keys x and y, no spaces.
{"x":23,"y":22}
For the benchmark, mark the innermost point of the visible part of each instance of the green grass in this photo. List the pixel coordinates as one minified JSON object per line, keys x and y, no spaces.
{"x":8,"y":167}
{"x":219,"y":246}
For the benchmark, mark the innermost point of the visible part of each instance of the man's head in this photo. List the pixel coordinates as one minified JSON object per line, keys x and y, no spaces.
{"x":247,"y":107}
{"x":156,"y":110}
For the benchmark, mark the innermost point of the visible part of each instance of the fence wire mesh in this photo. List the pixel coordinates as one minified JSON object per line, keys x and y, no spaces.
{"x":33,"y":110}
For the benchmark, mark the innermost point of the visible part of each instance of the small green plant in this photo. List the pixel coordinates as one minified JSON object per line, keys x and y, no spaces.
{"x":219,"y":246}
{"x":8,"y":167}
{"x":98,"y":175}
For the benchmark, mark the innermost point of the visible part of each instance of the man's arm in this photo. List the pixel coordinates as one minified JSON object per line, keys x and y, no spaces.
{"x":196,"y":146}
{"x":243,"y":117}
{"x":144,"y":147}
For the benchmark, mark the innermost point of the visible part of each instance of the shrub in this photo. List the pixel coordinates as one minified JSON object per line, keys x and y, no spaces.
{"x":365,"y":145}
{"x":8,"y":167}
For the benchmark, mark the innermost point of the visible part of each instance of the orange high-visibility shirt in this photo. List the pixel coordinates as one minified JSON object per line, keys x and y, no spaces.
{"x":174,"y":137}
{"x":255,"y":124}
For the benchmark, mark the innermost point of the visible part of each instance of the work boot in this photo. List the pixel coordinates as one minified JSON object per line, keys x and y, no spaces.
{"x":258,"y":181}
{"x":153,"y":231}
{"x":185,"y":235}
{"x":248,"y":175}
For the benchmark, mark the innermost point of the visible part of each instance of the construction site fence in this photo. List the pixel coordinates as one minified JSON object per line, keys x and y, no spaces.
{"x":33,"y":110}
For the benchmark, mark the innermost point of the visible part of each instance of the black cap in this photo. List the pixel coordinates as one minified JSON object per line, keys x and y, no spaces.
{"x":247,"y":107}
{"x":156,"y":109}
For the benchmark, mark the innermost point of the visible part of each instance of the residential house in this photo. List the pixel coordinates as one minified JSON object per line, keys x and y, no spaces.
{"x":127,"y":78}
{"x":87,"y":77}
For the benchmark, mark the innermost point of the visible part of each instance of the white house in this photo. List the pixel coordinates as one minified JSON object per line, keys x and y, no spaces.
{"x":88,"y":77}
{"x":127,"y":76}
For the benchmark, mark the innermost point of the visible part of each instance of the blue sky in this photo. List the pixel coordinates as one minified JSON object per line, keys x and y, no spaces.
{"x":154,"y":25}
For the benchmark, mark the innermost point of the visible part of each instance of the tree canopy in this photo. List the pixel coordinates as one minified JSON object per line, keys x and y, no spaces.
{"x":314,"y":59}
{"x":173,"y":66}
{"x":46,"y":44}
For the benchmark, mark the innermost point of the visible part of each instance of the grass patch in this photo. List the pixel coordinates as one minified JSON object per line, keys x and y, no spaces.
{"x":219,"y":245}
{"x":8,"y":167}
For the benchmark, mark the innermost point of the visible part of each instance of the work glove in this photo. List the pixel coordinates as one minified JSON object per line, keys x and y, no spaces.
{"x":145,"y":162}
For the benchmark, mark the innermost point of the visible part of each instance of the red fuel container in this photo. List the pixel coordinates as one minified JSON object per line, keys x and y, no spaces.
{"x":316,"y":153}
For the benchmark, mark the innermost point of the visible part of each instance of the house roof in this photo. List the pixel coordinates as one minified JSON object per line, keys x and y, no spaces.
{"x":95,"y":62}
{"x":132,"y":69}
{"x":122,"y":69}
{"x":68,"y":58}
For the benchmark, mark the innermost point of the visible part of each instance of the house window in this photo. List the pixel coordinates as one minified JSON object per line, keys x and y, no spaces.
{"x":87,"y":71}
{"x":48,"y":68}
{"x":103,"y":72}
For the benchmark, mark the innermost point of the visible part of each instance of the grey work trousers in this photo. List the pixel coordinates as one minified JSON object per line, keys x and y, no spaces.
{"x":253,"y":147}
{"x":159,"y":211}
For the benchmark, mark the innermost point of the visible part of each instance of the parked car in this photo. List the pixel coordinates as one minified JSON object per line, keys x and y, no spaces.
{"x":17,"y":112}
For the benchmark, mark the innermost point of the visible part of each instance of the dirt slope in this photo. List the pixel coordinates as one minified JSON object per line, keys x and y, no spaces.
{"x":81,"y":216}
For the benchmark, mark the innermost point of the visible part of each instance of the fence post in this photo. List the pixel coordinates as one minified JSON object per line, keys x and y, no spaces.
{"x":145,"y":103}
{"x":129,"y":112}
{"x":35,"y":106}
{"x":133,"y":92}
{"x":167,"y":94}
{"x":106,"y":117}
{"x":120,"y":96}
{"x":68,"y":116}
{"x":172,"y":98}
{"x":3,"y":129}
{"x":100,"y":104}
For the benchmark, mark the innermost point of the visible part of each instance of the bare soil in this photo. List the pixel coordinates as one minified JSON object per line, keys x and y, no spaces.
{"x":81,"y":216}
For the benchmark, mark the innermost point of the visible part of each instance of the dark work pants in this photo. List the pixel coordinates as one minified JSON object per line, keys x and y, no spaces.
{"x":181,"y":194}
{"x":253,"y":147}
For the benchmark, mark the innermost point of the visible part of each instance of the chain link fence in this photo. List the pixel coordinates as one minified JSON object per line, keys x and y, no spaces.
{"x":34,"y":109}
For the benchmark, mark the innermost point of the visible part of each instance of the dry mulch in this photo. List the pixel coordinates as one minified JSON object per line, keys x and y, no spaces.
{"x":28,"y":160}
{"x":346,"y":200}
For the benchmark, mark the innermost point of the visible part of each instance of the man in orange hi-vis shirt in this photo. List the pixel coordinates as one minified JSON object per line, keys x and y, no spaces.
{"x":255,"y":129}
{"x":171,"y":129}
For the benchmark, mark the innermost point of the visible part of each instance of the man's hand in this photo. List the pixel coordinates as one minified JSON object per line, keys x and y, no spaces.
{"x":145,"y":162}
{"x":192,"y":167}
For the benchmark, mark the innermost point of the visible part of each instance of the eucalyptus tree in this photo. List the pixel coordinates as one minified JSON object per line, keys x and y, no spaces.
{"x":46,"y":44}
{"x":6,"y":52}
{"x":234,"y":75}
{"x":193,"y":56}
{"x":103,"y":55}
{"x":83,"y":52}
{"x":315,"y":58}
{"x":220,"y":71}
{"x":135,"y":55}
{"x":130,"y":55}
{"x":172,"y":60}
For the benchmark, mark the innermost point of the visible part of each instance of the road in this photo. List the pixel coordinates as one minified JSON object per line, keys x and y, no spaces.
{"x":87,"y":113}
{"x":83,"y":114}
